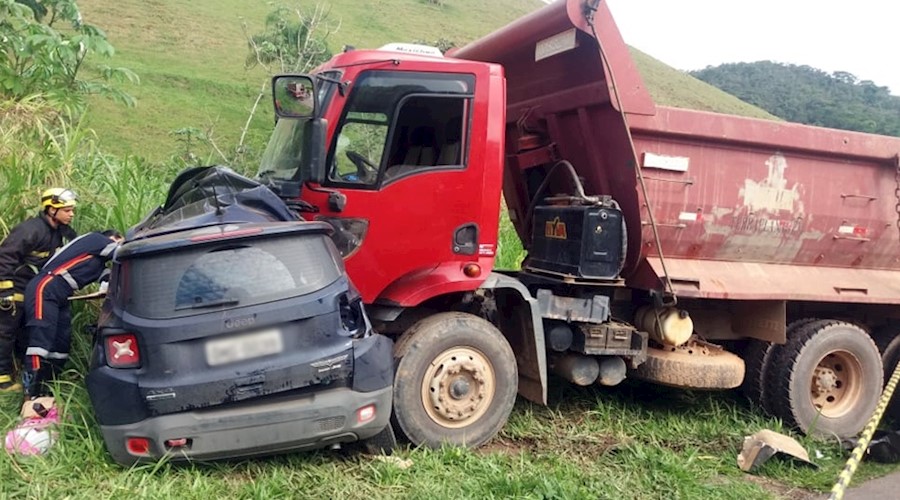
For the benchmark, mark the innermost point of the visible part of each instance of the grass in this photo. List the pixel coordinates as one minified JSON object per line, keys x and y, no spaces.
{"x":634,"y":441}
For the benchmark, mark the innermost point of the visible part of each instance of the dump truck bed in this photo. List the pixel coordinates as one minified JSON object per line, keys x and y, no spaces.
{"x":743,"y":208}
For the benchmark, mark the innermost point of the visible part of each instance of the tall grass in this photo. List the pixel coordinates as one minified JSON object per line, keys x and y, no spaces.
{"x":510,"y":252}
{"x":41,"y":147}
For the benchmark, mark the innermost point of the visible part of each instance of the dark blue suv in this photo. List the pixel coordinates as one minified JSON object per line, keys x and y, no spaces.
{"x":236,"y":339}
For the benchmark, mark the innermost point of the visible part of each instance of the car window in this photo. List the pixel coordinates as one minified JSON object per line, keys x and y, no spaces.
{"x":212,"y":278}
{"x":209,"y":278}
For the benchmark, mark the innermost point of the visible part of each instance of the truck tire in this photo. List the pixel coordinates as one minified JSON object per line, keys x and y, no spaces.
{"x":692,"y":366}
{"x":888,"y":341}
{"x":827,"y":379}
{"x":758,"y":359}
{"x":455,"y":381}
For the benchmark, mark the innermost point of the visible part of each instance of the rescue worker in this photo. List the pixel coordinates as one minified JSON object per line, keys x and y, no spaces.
{"x":22,"y":254}
{"x":48,"y":319}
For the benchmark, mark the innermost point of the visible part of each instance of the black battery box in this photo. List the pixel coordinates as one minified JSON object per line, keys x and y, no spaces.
{"x":582,"y":241}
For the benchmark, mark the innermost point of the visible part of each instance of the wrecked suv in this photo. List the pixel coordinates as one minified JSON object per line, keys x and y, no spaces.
{"x":236,"y":339}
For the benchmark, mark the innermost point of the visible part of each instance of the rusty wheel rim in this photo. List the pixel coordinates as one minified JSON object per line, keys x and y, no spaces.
{"x":458,"y":387}
{"x":836,"y":386}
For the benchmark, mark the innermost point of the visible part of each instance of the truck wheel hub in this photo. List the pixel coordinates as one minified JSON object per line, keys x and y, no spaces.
{"x":825,"y":380}
{"x":458,"y":387}
{"x":836,"y":383}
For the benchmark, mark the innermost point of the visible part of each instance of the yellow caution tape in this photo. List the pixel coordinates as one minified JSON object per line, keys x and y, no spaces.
{"x":837,"y":492}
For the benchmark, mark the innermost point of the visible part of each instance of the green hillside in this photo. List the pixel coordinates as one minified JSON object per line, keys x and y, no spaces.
{"x":671,"y":87}
{"x":190,"y":56}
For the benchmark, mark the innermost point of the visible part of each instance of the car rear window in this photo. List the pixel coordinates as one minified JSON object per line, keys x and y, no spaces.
{"x":195,"y":280}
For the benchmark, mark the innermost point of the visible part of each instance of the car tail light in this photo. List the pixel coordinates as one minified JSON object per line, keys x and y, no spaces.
{"x":349,"y":233}
{"x":139,"y":446}
{"x":122,"y":351}
{"x":353,"y":317}
{"x":365,"y":414}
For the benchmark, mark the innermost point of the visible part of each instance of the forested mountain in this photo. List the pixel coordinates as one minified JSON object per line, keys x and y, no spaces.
{"x":809,"y":95}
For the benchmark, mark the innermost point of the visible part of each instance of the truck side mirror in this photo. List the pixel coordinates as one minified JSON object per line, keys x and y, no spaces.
{"x":294,"y":96}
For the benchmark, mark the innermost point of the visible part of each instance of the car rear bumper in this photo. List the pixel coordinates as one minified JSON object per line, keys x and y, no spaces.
{"x":284,"y":424}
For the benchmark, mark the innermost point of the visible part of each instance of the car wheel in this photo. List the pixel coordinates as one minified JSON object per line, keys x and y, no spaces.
{"x":455,"y":382}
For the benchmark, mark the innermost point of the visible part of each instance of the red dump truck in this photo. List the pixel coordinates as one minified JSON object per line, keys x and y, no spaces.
{"x":691,"y":249}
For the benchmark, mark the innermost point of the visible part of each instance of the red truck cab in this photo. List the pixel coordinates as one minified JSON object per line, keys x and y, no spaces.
{"x":401,"y":151}
{"x":415,"y":156}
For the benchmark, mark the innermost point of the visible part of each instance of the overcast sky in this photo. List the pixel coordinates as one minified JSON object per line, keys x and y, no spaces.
{"x":861,"y":37}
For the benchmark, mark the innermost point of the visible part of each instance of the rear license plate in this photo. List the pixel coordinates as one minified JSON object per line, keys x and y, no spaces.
{"x":241,"y":347}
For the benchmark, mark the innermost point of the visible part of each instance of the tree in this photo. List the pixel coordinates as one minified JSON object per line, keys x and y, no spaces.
{"x":38,"y":58}
{"x":294,"y":41}
{"x":442,"y":44}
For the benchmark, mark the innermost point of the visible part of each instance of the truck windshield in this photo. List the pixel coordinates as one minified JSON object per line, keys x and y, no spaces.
{"x":283,"y":157}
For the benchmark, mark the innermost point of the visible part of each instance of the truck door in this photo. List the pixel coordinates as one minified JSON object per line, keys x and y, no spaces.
{"x":400,"y":155}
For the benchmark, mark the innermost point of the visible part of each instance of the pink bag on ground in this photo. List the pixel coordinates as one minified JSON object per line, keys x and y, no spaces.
{"x":35,"y":434}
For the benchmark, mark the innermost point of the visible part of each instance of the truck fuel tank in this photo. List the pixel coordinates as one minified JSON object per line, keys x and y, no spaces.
{"x":581,"y":241}
{"x":666,"y":325}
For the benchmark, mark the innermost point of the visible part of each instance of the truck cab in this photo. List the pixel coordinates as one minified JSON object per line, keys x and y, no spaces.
{"x":411,"y":169}
{"x":402,"y":152}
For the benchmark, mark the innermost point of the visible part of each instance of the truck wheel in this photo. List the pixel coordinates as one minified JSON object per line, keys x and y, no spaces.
{"x":692,"y":366}
{"x":827,"y":379}
{"x":758,"y":359}
{"x":455,"y":382}
{"x":888,"y":341}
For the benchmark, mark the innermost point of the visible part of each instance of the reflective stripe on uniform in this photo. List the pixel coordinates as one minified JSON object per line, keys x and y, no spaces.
{"x":39,"y":297}
{"x":40,"y":255}
{"x":44,"y":353}
{"x":69,"y":279}
{"x":6,"y":284}
{"x":108,"y":249}
{"x":18,"y":297}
